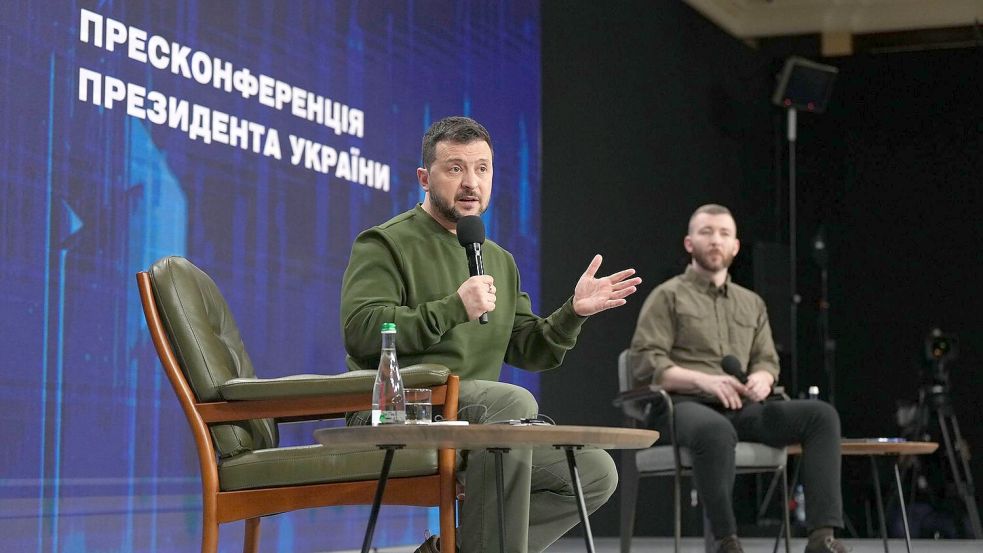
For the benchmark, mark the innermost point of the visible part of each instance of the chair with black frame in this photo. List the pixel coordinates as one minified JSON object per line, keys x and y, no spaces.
{"x":233,"y":417}
{"x":672,"y":460}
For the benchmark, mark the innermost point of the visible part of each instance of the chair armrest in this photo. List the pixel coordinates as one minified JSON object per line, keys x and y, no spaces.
{"x":352,"y":382}
{"x":636,"y":404}
{"x":652,"y":392}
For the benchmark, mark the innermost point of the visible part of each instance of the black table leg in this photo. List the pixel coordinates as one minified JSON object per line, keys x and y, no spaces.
{"x":880,"y":502}
{"x":579,"y":493}
{"x":904,"y":511}
{"x":379,"y":491}
{"x":786,"y":521}
{"x":500,"y":483}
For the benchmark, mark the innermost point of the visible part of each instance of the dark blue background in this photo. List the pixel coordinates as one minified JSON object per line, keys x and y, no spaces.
{"x":98,"y":456}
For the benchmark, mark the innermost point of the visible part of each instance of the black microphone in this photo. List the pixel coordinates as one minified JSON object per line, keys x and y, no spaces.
{"x":471,"y":235}
{"x":732,"y":366}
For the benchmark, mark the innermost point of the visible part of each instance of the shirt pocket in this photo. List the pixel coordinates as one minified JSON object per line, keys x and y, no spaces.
{"x":696,"y":330}
{"x":742,"y":332}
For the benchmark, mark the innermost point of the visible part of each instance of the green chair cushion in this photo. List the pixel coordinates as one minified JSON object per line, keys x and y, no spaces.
{"x":286,"y":466}
{"x":415,"y":376}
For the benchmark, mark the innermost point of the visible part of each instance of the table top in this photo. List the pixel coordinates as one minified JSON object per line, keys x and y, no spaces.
{"x":871,"y":446}
{"x":478,"y":436}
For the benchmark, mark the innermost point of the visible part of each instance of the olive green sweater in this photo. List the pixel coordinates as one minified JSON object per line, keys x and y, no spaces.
{"x":408,"y":269}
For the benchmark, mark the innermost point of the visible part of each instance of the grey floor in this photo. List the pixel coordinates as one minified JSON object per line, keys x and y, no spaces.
{"x":764,"y":545}
{"x":751,"y":545}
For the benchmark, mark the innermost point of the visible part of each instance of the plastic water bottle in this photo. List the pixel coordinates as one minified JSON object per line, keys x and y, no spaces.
{"x":388,"y":400}
{"x":799,"y":497}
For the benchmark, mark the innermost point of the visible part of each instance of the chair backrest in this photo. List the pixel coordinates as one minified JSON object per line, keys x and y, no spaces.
{"x":633,"y":410}
{"x":205,"y":339}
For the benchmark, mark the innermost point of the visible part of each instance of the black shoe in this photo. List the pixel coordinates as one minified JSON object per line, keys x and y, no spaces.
{"x":429,"y":545}
{"x":731,"y":544}
{"x":829,"y":544}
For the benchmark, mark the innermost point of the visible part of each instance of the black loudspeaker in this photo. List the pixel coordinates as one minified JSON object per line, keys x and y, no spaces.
{"x":804,"y":85}
{"x":771,"y":282}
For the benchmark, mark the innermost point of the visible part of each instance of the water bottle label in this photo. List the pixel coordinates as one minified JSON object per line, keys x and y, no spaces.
{"x":387,"y":417}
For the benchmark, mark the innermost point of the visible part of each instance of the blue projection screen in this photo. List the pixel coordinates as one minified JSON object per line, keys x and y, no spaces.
{"x":257,"y":139}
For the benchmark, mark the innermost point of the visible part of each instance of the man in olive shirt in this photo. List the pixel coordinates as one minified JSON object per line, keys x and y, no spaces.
{"x":686,"y":326}
{"x":411,"y":270}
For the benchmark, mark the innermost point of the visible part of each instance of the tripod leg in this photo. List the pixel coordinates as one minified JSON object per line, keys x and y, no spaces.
{"x":968,"y":490}
{"x":957,"y":475}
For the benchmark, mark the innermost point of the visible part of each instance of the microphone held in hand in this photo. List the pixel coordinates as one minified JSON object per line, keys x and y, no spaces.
{"x":732,"y":366}
{"x":471,"y":235}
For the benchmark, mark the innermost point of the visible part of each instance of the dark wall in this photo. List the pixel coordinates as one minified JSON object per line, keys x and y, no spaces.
{"x":649,"y":110}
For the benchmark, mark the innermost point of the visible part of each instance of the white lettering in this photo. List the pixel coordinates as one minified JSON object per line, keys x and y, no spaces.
{"x":134,"y":100}
{"x":158,"y":50}
{"x":157,"y":114}
{"x":86,"y":78}
{"x":200,"y":124}
{"x":93,"y":20}
{"x":137,"y":45}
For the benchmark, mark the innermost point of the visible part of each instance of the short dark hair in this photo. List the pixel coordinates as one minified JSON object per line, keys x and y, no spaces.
{"x":709,"y":209}
{"x":460,"y":130}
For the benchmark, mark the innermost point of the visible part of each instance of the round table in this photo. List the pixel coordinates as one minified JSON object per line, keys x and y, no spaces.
{"x":496,"y":438}
{"x":880,"y":447}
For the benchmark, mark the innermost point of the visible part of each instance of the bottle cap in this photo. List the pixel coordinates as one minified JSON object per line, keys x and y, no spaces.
{"x":388,"y":327}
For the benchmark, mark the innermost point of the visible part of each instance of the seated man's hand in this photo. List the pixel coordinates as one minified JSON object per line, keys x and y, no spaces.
{"x":478,"y":295}
{"x":759,"y":385}
{"x":725,"y":387}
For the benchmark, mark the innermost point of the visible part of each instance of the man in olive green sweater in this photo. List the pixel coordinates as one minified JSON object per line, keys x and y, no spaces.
{"x":686,"y":326}
{"x":411,"y":270}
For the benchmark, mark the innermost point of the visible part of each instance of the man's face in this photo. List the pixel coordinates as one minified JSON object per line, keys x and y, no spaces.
{"x":459,"y":182}
{"x":712,"y":241}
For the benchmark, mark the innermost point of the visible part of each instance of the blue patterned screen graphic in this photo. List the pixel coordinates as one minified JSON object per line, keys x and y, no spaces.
{"x":257,"y":139}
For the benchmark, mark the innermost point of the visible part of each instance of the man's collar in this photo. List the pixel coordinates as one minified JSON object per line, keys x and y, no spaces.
{"x":703,"y":283}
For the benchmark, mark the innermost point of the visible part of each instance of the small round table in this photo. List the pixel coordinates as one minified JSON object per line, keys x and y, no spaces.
{"x":874,"y":448}
{"x":496,"y":438}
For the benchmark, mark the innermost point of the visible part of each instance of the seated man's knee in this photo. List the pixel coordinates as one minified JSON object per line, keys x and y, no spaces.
{"x":710,"y":433}
{"x":598,"y":475}
{"x":827,"y":416}
{"x":501,"y":401}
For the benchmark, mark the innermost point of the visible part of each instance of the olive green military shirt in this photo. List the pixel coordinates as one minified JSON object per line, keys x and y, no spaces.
{"x":688,"y":322}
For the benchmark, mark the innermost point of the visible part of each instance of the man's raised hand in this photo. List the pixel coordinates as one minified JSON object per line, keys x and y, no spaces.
{"x":593,"y":295}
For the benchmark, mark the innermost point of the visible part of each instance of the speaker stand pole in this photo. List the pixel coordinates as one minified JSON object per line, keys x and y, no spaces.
{"x":793,"y":348}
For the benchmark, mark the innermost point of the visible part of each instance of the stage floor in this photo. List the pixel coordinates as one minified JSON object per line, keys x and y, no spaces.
{"x":764,"y":545}
{"x":751,"y":545}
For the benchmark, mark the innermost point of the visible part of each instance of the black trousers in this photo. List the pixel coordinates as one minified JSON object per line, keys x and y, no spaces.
{"x":710,"y":433}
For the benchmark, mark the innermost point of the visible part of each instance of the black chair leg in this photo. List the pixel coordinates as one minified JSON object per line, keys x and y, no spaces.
{"x":629,"y":497}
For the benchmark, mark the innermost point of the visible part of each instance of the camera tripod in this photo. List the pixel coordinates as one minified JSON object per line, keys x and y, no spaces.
{"x":935,"y":406}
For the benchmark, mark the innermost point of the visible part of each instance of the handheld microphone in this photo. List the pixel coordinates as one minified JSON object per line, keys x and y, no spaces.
{"x":471,"y":235}
{"x":732,"y":366}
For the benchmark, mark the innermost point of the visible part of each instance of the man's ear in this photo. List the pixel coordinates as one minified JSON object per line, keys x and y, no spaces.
{"x":423,"y":177}
{"x":688,"y":244}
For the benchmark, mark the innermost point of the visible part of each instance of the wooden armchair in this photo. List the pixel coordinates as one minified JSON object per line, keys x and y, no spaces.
{"x":233,"y":417}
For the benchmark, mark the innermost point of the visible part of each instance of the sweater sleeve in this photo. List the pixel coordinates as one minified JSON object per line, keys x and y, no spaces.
{"x":537,"y":343}
{"x":373,"y":292}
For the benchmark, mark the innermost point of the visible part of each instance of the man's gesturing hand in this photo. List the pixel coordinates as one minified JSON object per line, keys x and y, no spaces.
{"x":478,"y":295}
{"x":593,"y":295}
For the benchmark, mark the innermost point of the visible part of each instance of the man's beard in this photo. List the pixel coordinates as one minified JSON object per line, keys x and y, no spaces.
{"x":448,"y":212}
{"x":704,"y":261}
